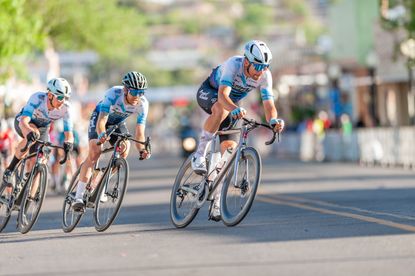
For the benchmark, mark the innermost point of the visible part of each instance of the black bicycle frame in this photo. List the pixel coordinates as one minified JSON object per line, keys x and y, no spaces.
{"x":116,"y":152}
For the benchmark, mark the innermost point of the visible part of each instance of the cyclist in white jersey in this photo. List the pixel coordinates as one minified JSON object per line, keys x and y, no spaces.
{"x":34,"y":120}
{"x":219,"y":96}
{"x":119,"y":103}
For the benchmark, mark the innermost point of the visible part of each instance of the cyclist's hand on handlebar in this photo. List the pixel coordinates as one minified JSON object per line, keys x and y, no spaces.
{"x":277,"y":124}
{"x":67,"y":147}
{"x":238,"y":113}
{"x":32,"y":136}
{"x":144,"y":154}
{"x":102,"y":137}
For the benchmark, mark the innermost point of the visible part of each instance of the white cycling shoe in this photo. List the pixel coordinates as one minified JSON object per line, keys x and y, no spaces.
{"x":199,"y":164}
{"x":215,"y":212}
{"x":78,"y":205}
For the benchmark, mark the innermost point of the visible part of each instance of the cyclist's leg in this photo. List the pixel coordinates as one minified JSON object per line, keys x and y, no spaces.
{"x":18,"y":153}
{"x":125,"y":146}
{"x":44,"y":136}
{"x":226,"y":141}
{"x":207,"y":97}
{"x":94,"y":152}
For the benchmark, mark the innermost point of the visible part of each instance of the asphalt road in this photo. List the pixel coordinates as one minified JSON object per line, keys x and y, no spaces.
{"x":307,"y":219}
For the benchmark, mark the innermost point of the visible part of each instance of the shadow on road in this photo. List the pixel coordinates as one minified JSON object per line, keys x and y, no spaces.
{"x":276,"y":217}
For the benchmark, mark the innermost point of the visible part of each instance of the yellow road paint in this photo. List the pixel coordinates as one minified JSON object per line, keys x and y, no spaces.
{"x":384,"y":222}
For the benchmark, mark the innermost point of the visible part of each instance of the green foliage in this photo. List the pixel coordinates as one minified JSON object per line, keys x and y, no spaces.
{"x":406,"y":22}
{"x":104,"y":26}
{"x":20,"y":33}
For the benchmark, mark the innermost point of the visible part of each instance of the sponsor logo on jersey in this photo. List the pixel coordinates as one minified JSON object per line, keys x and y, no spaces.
{"x":203,"y":95}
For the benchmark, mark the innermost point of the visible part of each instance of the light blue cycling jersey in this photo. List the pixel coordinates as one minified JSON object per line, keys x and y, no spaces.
{"x":37,"y":109}
{"x":231,"y":74}
{"x":118,"y":110}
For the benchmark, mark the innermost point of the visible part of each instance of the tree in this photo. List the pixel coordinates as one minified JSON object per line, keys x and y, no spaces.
{"x":20,"y":33}
{"x":27,"y":26}
{"x":112,"y":30}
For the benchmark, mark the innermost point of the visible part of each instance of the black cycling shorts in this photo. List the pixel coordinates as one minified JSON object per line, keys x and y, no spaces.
{"x":92,"y":131}
{"x":44,"y":134}
{"x":207,"y":96}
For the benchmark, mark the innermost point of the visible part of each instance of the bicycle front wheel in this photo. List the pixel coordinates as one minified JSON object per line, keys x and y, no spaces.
{"x":110,"y":195}
{"x":239,"y":190}
{"x":33,"y":197}
{"x":5,"y":212}
{"x":70,"y":218}
{"x":183,"y":200}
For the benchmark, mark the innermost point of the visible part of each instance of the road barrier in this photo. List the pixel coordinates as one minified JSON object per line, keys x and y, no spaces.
{"x":369,"y":146}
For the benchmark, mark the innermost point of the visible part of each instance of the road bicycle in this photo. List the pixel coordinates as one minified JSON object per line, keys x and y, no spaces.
{"x":105,"y":189}
{"x":29,"y":188}
{"x":236,"y":176}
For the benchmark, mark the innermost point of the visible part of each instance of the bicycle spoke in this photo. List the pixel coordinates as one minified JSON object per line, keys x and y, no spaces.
{"x":184,"y":196}
{"x":110,"y":196}
{"x":70,"y":218}
{"x":239,"y":189}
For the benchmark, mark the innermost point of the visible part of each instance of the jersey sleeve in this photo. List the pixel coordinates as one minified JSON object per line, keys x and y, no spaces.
{"x":33,"y":103}
{"x":67,"y":120}
{"x":142,"y":116}
{"x":266,"y":87}
{"x":229,"y":69}
{"x":109,"y":99}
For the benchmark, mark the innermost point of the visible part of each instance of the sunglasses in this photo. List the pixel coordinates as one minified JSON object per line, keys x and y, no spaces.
{"x":136,"y":92}
{"x":259,"y":66}
{"x":60,"y":98}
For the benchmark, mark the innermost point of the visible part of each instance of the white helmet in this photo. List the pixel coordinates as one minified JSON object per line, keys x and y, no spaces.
{"x":257,"y":51}
{"x":135,"y":80}
{"x":59,"y":86}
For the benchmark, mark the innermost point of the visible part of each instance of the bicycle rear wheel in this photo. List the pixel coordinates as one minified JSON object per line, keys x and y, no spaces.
{"x":110,"y":195}
{"x":238,"y":192}
{"x":5,"y":212}
{"x":70,"y":218}
{"x":183,"y":203}
{"x":30,"y":205}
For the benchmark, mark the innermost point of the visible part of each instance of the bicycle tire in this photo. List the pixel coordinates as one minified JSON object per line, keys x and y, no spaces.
{"x":102,"y":225}
{"x":178,"y":220}
{"x":233,"y":218}
{"x":4,"y":212}
{"x":26,"y":225}
{"x":75,"y":217}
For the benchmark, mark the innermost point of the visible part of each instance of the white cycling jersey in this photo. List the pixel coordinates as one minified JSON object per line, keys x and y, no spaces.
{"x":118,"y":110}
{"x":231,"y":73}
{"x":36,"y":108}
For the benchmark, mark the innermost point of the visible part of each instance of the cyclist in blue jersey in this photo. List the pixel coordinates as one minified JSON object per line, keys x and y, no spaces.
{"x":33,"y":121}
{"x":119,"y":103}
{"x":223,"y":89}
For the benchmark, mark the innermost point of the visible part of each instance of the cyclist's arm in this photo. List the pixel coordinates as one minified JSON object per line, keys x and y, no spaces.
{"x":69,"y":136}
{"x":270,"y":109}
{"x":25,"y":125}
{"x":68,"y":125}
{"x":140,"y":136}
{"x":224,"y":99}
{"x":102,"y":121}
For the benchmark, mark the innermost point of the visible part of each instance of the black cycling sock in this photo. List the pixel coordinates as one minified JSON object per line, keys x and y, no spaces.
{"x":13,"y":164}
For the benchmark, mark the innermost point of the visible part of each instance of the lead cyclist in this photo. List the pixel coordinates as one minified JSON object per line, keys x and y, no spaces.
{"x":119,"y":103}
{"x":219,"y":96}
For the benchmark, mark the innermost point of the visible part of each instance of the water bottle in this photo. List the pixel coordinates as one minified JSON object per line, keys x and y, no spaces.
{"x":214,"y":160}
{"x":219,"y":164}
{"x":224,"y":159}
